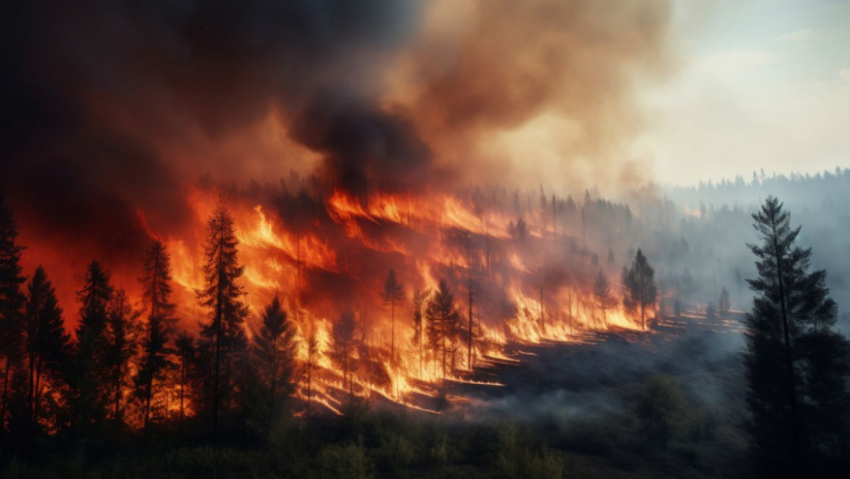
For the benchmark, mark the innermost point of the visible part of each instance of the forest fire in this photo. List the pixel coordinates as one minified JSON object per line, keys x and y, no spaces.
{"x":512,"y":283}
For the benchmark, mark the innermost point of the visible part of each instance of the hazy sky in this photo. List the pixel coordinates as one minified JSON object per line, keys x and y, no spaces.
{"x":758,"y":84}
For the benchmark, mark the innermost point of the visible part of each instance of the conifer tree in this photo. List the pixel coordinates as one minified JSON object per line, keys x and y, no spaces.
{"x":723,"y":303}
{"x":443,"y":319}
{"x":602,"y":294}
{"x":640,"y":291}
{"x":156,"y":301}
{"x":223,"y":296}
{"x":344,"y":342}
{"x":120,"y":348}
{"x":11,"y":300}
{"x":87,"y":398}
{"x":419,"y":299}
{"x":47,"y":343}
{"x":797,"y":365}
{"x":275,"y":350}
{"x":393,"y":292}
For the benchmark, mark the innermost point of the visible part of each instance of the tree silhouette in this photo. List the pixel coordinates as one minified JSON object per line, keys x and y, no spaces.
{"x":797,"y":366}
{"x":87,"y":398}
{"x":343,"y":341}
{"x":275,"y":349}
{"x":11,"y":299}
{"x":47,"y":343}
{"x":392,"y":293}
{"x":723,"y":303}
{"x":443,"y":319}
{"x":602,"y":294}
{"x":640,"y":291}
{"x":419,"y":299}
{"x":223,"y":295}
{"x":156,"y":300}
{"x":119,"y":349}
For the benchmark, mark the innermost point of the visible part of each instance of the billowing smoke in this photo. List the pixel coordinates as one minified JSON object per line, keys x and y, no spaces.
{"x":109,"y":110}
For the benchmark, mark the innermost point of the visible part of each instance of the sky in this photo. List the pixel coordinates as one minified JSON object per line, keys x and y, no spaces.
{"x":756,"y":84}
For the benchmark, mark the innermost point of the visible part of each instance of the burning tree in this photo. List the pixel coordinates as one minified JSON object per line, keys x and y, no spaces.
{"x":639,"y":290}
{"x":392,"y":293}
{"x":156,"y":294}
{"x":344,"y":342}
{"x":222,"y":294}
{"x":602,"y":294}
{"x":419,"y":299}
{"x":443,"y":321}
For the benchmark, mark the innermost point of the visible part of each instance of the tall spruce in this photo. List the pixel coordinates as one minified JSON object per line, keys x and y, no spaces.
{"x":443,"y":321}
{"x":797,"y":365}
{"x":156,"y":301}
{"x":393,"y":292}
{"x":223,"y":296}
{"x":11,"y":300}
{"x":47,"y":343}
{"x":88,"y":400}
{"x":639,"y":292}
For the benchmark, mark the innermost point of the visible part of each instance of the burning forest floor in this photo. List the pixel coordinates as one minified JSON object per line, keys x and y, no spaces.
{"x":553,"y":409}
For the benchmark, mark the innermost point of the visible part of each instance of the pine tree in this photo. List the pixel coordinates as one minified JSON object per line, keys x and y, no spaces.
{"x":120,"y":348}
{"x":640,"y":291}
{"x":88,"y":401}
{"x":223,"y":295}
{"x":47,"y":343}
{"x":602,"y":294}
{"x":419,"y":299}
{"x":723,"y":303}
{"x":443,"y":319}
{"x":156,"y":296}
{"x":797,"y":366}
{"x":392,"y":293}
{"x":11,"y":300}
{"x":343,"y":342}
{"x":275,"y":350}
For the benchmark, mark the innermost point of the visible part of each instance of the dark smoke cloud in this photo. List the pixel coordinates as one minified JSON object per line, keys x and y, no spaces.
{"x":108,"y":107}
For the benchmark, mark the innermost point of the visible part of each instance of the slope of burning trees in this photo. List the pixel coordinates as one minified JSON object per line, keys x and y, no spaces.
{"x":388,"y":294}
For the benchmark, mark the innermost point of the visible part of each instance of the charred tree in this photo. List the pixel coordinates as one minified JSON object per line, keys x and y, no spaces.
{"x":392,"y":293}
{"x":443,"y":320}
{"x":603,"y":296}
{"x":419,"y":299}
{"x":120,"y":347}
{"x":344,"y":343}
